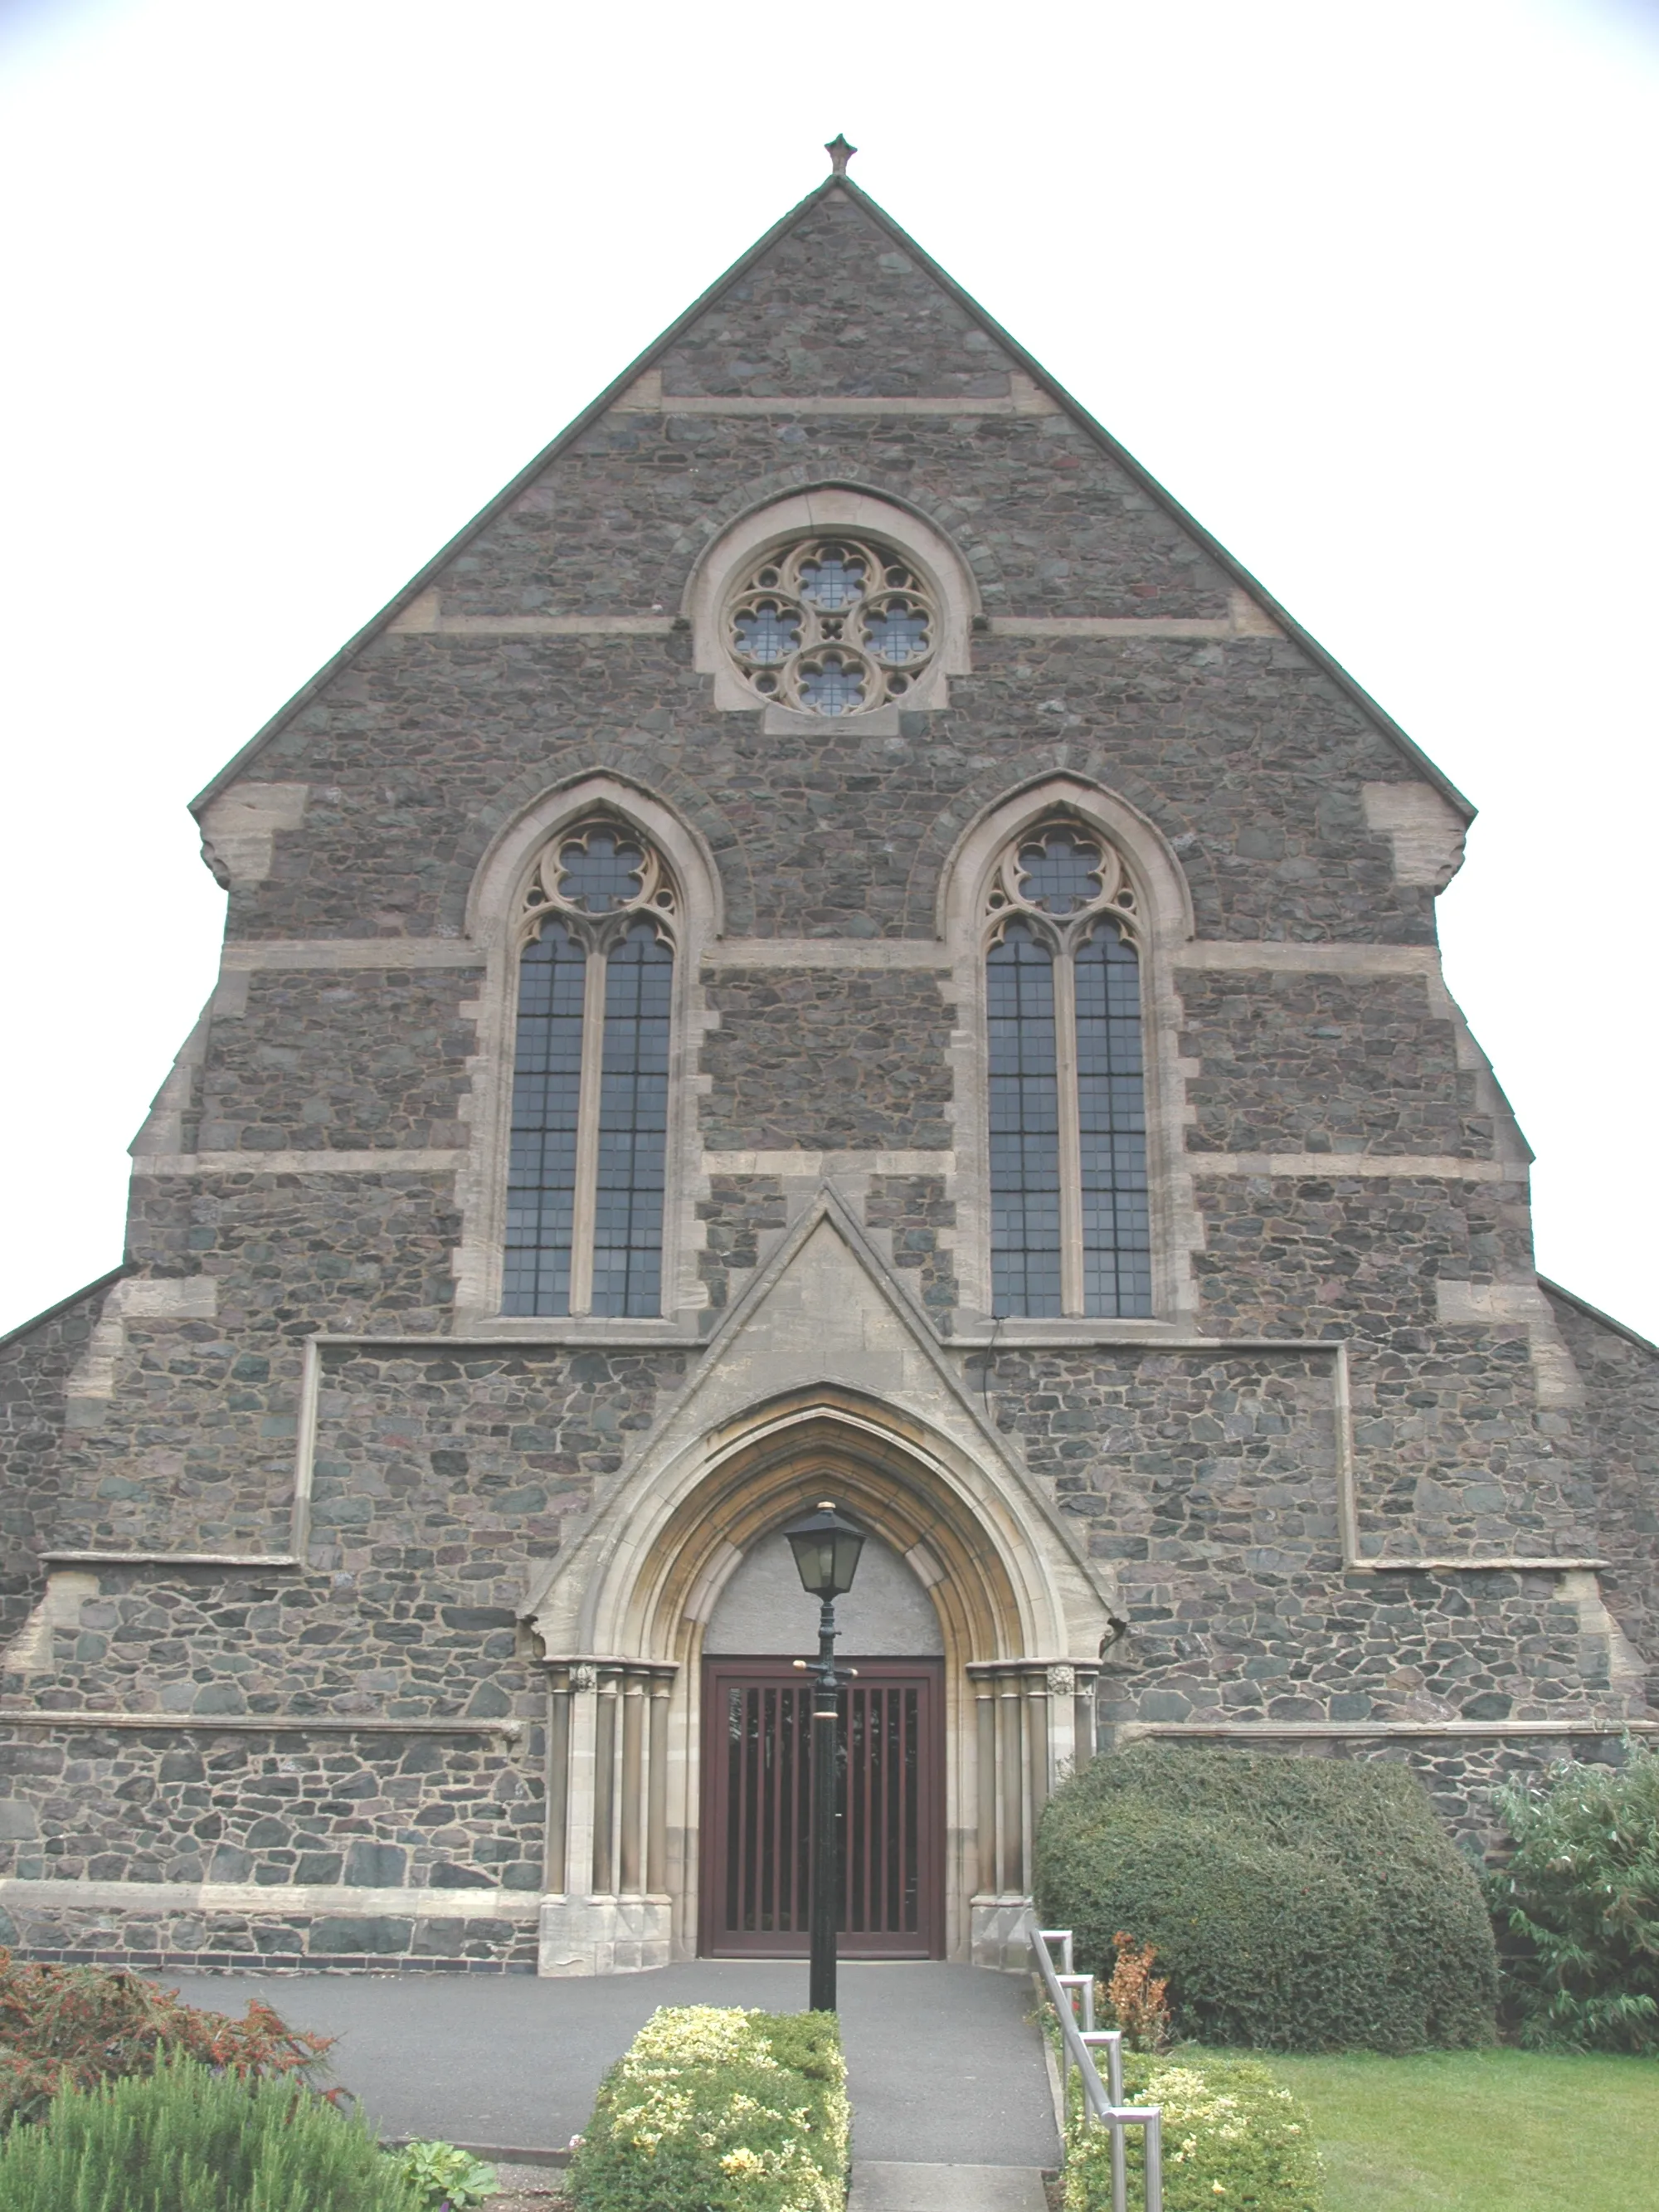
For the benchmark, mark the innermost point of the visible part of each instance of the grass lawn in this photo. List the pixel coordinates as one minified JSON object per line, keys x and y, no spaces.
{"x":1483,"y":2131}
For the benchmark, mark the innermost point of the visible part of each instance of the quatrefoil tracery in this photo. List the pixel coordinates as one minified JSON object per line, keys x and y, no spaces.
{"x":1061,"y":879}
{"x":832,"y":626}
{"x":600,"y":879}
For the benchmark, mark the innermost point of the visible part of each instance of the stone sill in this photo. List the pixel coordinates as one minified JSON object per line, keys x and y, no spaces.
{"x":1482,"y":1566}
{"x":424,"y":1904}
{"x":1130,"y":1731}
{"x":113,"y":1558}
{"x":256,"y":1723}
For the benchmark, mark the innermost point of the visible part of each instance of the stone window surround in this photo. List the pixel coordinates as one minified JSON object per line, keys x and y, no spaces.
{"x":495,"y":902}
{"x":1064,"y":933}
{"x":823,"y":510}
{"x":1165,"y":911}
{"x":1166,"y":923}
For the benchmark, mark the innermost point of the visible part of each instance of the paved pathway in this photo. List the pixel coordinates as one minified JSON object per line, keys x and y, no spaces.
{"x":945,"y":2068}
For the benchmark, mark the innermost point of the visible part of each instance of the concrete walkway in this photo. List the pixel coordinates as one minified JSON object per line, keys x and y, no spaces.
{"x":945,"y":2067}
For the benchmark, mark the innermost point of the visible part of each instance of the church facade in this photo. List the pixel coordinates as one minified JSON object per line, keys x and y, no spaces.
{"x":832,"y":945}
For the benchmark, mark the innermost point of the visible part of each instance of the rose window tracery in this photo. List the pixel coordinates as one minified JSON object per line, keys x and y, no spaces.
{"x":832,"y":626}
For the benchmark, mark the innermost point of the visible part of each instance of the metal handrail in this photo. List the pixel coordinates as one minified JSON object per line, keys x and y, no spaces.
{"x":1103,"y":2101}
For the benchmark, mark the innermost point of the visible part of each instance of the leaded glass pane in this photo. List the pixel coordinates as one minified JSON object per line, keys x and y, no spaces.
{"x":897,"y":632}
{"x":832,"y":685}
{"x":1117,"y":1276}
{"x":1025,"y":1130}
{"x":1059,"y":872}
{"x":602,"y":871}
{"x":767,"y":632}
{"x":832,"y":581}
{"x":632,"y":1126}
{"x":541,"y":1179}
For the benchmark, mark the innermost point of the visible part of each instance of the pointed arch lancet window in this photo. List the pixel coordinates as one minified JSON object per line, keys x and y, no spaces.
{"x":585,"y":1170}
{"x":1070,"y":1222}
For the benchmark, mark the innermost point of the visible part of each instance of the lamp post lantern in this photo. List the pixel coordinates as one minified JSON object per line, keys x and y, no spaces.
{"x":826,"y":1548}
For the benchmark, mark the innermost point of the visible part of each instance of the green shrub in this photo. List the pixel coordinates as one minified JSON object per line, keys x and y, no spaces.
{"x":1296,"y":1904}
{"x":184,"y":2139}
{"x":444,"y":2178}
{"x":1582,"y":1892}
{"x":73,"y":2026}
{"x":1232,"y":2138}
{"x":721,"y":2109}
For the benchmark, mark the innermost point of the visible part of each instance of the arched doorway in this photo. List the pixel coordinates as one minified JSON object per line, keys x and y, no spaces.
{"x":1010,"y":1679}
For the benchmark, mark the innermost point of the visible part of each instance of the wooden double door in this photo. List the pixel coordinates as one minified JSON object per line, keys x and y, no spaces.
{"x":757,"y":1809}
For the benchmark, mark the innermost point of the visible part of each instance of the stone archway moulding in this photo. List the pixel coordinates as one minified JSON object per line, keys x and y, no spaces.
{"x":623,"y":1656}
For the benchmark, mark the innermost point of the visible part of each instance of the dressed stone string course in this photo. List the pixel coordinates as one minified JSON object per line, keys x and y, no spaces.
{"x":1189,"y":1493}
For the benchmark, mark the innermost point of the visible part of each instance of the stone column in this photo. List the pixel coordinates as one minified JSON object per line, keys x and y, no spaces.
{"x":1032,"y":1715}
{"x":606,"y":1908}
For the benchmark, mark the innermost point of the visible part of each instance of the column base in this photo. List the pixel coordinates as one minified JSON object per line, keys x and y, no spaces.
{"x":582,"y":1935}
{"x":999,"y":1933}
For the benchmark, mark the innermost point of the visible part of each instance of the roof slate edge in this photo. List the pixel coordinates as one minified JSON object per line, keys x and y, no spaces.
{"x":503,"y":499}
{"x":1374,"y":713}
{"x":1166,"y":499}
{"x":87,"y":1290}
{"x":1595,"y":1313}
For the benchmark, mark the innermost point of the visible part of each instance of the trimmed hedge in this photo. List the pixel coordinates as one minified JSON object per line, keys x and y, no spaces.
{"x":1295,"y":1904}
{"x":1232,"y":2137}
{"x":183,"y":2139}
{"x":721,"y":2109}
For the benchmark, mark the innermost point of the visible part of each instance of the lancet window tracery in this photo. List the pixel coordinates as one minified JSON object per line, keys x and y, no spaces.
{"x":1069,"y":1220}
{"x":831,"y":625}
{"x":585,"y":1171}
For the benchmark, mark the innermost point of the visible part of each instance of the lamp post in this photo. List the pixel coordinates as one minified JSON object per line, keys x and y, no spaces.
{"x":826,"y":1549}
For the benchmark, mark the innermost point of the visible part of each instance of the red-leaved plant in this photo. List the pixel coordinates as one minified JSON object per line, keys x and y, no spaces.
{"x":1135,"y":1999}
{"x":81,"y":2025}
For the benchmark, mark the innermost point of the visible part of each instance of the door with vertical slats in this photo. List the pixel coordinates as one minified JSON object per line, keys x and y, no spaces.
{"x":757,"y":1809}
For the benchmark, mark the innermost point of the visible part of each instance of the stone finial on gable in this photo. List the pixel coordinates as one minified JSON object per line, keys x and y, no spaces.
{"x":840,"y":153}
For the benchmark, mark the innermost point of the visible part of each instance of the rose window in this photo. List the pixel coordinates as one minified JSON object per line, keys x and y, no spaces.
{"x":832,"y":626}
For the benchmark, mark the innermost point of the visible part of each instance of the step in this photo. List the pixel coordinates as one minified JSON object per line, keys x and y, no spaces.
{"x":891,"y":2186}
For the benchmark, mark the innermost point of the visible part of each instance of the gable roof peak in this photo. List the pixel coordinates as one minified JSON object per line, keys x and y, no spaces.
{"x":836,"y":184}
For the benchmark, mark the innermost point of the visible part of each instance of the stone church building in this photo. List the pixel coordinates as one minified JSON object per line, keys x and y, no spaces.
{"x":833,"y":944}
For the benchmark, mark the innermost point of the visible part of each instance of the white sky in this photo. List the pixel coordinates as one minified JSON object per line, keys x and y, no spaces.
{"x":290,"y":291}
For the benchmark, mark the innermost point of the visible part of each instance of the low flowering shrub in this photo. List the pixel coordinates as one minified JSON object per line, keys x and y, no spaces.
{"x":185,"y":2139}
{"x":1234,"y":2140}
{"x":74,"y":2026}
{"x":722,"y":2110}
{"x":1582,"y":1896}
